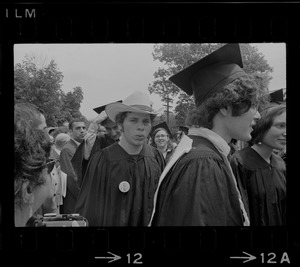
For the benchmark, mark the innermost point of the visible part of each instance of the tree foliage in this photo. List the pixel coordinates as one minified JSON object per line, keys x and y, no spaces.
{"x":176,"y":57}
{"x":40,"y":84}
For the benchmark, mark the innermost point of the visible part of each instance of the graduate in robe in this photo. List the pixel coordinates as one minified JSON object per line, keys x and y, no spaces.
{"x":261,"y":173}
{"x":198,"y":187}
{"x":120,"y":180}
{"x":161,"y":139}
{"x":94,"y":142}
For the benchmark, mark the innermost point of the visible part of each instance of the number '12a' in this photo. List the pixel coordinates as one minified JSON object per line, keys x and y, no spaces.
{"x":271,"y":258}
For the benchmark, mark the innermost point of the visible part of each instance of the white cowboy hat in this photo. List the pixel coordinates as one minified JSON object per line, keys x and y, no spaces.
{"x":138,"y":102}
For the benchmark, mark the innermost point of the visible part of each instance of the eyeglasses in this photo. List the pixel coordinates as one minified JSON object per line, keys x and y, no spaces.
{"x":50,"y":165}
{"x":162,"y":135}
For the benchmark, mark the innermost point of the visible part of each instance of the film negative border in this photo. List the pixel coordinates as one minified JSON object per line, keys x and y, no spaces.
{"x":132,"y":22}
{"x":146,"y":22}
{"x":95,"y":246}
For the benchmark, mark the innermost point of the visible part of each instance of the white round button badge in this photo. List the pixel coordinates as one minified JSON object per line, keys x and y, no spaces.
{"x":124,"y":187}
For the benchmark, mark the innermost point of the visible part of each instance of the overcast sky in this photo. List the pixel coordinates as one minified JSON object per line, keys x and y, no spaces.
{"x":110,"y":72}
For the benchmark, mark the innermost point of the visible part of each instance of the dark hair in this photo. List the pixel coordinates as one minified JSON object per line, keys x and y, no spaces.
{"x":263,"y":125}
{"x":30,"y":113}
{"x":240,"y":94}
{"x":75,"y":120}
{"x":155,"y":132}
{"x":120,"y":117}
{"x":32,"y":148}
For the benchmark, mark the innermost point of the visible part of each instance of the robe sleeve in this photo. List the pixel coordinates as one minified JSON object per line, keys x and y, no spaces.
{"x":89,"y":139}
{"x":241,"y":179}
{"x":78,"y":161}
{"x":198,"y":191}
{"x":67,"y":167}
{"x":83,"y":152}
{"x":89,"y":193}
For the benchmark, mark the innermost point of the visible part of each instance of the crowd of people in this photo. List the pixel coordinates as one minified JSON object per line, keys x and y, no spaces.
{"x":124,"y":171}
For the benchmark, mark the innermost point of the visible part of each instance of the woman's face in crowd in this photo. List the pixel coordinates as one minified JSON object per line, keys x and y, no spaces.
{"x":136,"y":128}
{"x":161,"y":138}
{"x":276,"y":135}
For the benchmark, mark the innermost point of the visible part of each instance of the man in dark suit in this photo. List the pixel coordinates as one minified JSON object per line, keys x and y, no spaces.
{"x":77,"y":129}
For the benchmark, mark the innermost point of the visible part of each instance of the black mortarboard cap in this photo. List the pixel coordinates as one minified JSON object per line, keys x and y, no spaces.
{"x":277,"y":96}
{"x":101,"y":108}
{"x":162,"y":125}
{"x":210,"y":73}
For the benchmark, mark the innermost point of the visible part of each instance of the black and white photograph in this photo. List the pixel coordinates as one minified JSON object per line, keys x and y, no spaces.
{"x":150,"y":134}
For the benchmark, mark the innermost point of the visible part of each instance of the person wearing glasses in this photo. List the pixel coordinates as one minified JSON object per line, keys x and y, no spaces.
{"x":32,"y":168}
{"x":161,"y":140}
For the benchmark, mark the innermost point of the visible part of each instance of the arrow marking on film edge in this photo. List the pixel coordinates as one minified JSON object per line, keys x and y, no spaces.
{"x":114,"y":258}
{"x":248,"y":258}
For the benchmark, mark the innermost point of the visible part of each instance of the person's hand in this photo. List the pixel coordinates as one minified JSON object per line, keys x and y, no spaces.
{"x":100,"y":117}
{"x":94,"y":126}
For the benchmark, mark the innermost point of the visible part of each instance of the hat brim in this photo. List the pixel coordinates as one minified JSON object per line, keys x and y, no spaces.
{"x":115,"y":108}
{"x":101,"y":108}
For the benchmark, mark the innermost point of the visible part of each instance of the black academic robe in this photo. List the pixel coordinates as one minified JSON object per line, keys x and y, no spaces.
{"x":262,"y":186}
{"x":102,"y":202}
{"x":198,"y":191}
{"x":80,"y":163}
{"x":65,"y":158}
{"x":169,"y":154}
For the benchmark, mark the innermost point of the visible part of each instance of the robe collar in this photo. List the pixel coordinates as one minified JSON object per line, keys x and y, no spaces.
{"x":216,"y":139}
{"x":118,"y":153}
{"x":257,"y":161}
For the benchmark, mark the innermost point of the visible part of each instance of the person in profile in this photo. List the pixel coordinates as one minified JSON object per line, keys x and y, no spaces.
{"x":35,"y":118}
{"x":33,"y":114}
{"x":261,"y":173}
{"x":120,"y":180}
{"x":198,"y":187}
{"x":32,"y":166}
